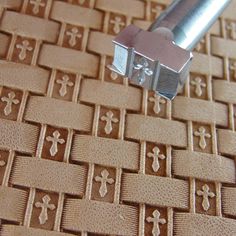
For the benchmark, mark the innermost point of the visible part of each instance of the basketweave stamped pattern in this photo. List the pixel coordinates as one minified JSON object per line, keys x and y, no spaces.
{"x":82,"y":152}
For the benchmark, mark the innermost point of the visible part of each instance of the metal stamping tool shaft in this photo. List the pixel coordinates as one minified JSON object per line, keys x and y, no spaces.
{"x":159,"y":59}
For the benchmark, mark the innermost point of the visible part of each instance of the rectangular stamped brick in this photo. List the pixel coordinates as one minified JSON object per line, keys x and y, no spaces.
{"x":34,"y":172}
{"x":126,"y":7}
{"x":5,"y":41}
{"x":229,"y":12}
{"x":10,"y":230}
{"x":59,"y":113}
{"x":12,"y":204}
{"x":228,"y":201}
{"x":68,"y":60}
{"x":226,"y":141}
{"x":11,"y":4}
{"x":29,"y":78}
{"x":165,"y":2}
{"x":76,"y":15}
{"x":100,"y":217}
{"x":200,"y":111}
{"x":186,"y":224}
{"x":108,"y":94}
{"x":18,"y":136}
{"x":223,"y":47}
{"x":215,"y":29}
{"x":142,"y":24}
{"x":107,"y":152}
{"x":203,"y":166}
{"x":101,"y":43}
{"x":224,"y":91}
{"x":158,"y":130}
{"x":207,"y":65}
{"x":29,"y":26}
{"x":153,"y":190}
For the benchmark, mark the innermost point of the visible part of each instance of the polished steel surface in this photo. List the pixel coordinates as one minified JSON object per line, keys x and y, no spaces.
{"x":161,"y":66}
{"x":189,"y":20}
{"x":159,"y":59}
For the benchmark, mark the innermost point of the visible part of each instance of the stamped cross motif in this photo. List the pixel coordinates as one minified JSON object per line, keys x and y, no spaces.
{"x":144,"y":70}
{"x":201,"y":133}
{"x":197,"y":82}
{"x":10,"y":100}
{"x":104,"y":181}
{"x":81,"y":1}
{"x":157,"y":100}
{"x":232,"y":29}
{"x":118,"y":23}
{"x":45,"y":206}
{"x":233,"y":68}
{"x":155,"y":155}
{"x":36,"y":5}
{"x":109,"y":119}
{"x":205,"y":194}
{"x":24,"y":47}
{"x":2,"y":163}
{"x":156,"y":220}
{"x":199,"y":45}
{"x":74,"y":34}
{"x":55,"y":140}
{"x":114,"y":75}
{"x":64,"y":82}
{"x":157,"y":10}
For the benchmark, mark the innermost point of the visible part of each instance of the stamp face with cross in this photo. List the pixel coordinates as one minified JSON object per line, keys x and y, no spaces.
{"x":152,"y":60}
{"x":143,"y":71}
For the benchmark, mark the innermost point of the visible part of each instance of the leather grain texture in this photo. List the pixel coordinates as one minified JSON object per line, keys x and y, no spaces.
{"x":83,"y":152}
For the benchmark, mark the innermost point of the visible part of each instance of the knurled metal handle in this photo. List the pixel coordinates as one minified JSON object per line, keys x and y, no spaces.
{"x":159,"y":59}
{"x":189,"y":20}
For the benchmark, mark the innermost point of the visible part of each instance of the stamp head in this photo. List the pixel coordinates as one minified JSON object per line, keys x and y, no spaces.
{"x":152,"y":60}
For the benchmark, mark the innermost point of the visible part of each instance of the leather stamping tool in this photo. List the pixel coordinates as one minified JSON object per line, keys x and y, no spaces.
{"x":159,"y":59}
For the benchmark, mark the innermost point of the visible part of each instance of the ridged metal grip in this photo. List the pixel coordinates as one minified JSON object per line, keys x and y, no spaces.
{"x":160,"y":58}
{"x":189,"y":20}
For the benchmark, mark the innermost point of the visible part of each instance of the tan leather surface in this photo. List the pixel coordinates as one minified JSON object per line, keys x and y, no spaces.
{"x":82,"y":152}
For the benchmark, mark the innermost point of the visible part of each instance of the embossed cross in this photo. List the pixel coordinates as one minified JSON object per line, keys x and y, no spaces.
{"x":114,"y":75}
{"x":117,"y":22}
{"x":199,"y":45}
{"x":201,"y":133}
{"x":156,"y":221}
{"x":157,"y":10}
{"x":73,"y":34}
{"x":205,"y":193}
{"x":64,"y":82}
{"x":104,"y":181}
{"x":232,"y":28}
{"x":37,"y":4}
{"x":2,"y":163}
{"x":156,"y":156}
{"x":233,"y":68}
{"x":10,"y":100}
{"x":157,"y":100}
{"x":81,"y":1}
{"x":198,"y":86}
{"x":109,"y":119}
{"x":55,"y":140}
{"x":24,"y":47}
{"x":43,"y":217}
{"x":144,"y":70}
